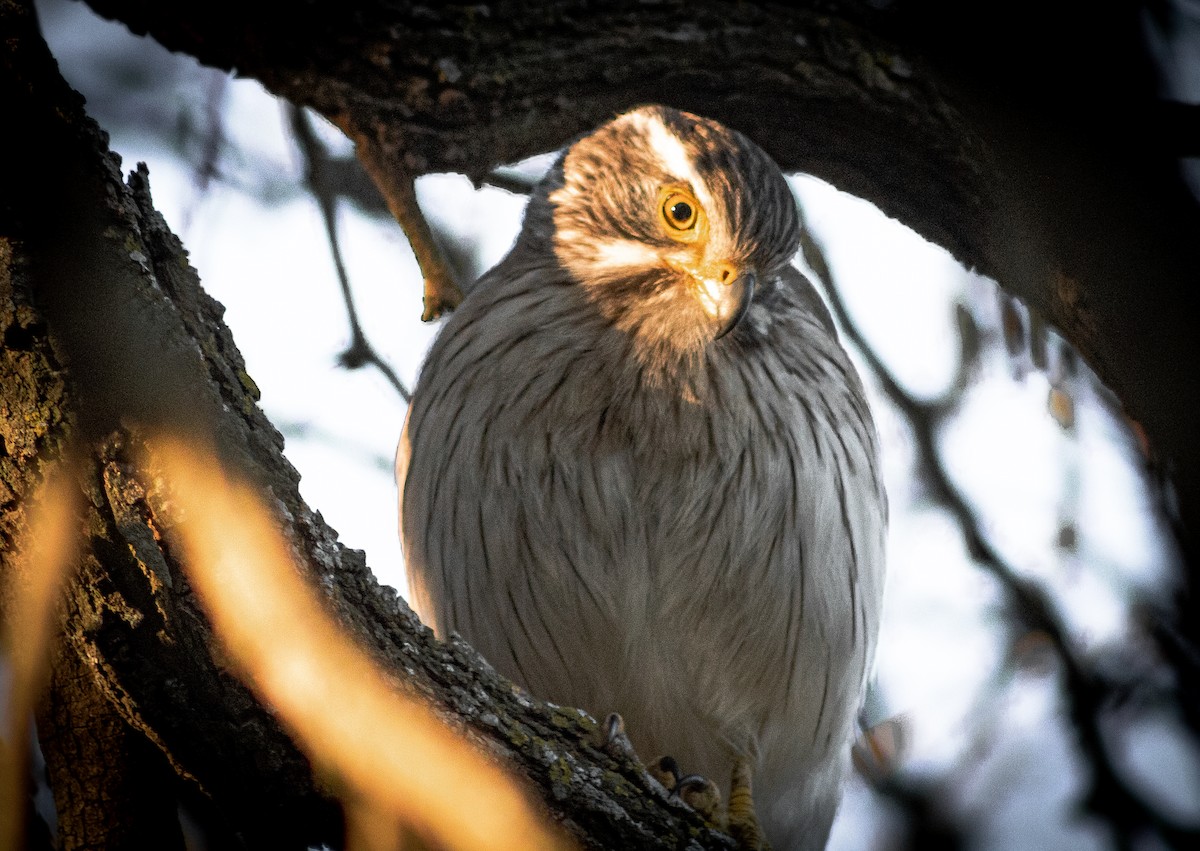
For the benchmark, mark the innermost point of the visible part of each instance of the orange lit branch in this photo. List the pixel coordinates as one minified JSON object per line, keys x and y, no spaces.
{"x":388,"y":749}
{"x":36,"y":576}
{"x":383,"y":160}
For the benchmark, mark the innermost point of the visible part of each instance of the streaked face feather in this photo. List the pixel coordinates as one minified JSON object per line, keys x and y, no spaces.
{"x":672,"y":291}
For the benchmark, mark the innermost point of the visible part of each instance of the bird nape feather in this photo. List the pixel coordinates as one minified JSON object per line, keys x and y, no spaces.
{"x":639,"y":473}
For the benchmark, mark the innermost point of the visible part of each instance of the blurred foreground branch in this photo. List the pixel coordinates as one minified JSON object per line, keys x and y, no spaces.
{"x":29,"y":601}
{"x":384,"y":749}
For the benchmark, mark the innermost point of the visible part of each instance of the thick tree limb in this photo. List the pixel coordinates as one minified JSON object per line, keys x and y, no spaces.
{"x":988,"y":131}
{"x":112,"y":787}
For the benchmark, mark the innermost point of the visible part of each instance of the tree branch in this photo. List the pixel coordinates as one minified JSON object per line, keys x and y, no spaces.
{"x":1018,"y":175}
{"x":383,"y":154}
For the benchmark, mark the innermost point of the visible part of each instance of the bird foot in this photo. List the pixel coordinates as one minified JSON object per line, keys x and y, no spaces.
{"x":739,"y":819}
{"x":612,"y":738}
{"x":698,"y":792}
{"x":742,"y":819}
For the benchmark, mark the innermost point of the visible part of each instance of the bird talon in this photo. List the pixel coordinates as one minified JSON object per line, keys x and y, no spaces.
{"x":695,"y":790}
{"x":703,"y":796}
{"x":614,"y":725}
{"x":613,"y":740}
{"x":666,"y":771}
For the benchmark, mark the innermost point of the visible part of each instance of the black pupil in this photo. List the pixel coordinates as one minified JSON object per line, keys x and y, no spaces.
{"x":681,"y":211}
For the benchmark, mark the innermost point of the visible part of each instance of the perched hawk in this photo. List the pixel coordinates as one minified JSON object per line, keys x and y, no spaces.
{"x":639,"y":473}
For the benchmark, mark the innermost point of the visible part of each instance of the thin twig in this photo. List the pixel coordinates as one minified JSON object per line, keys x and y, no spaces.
{"x":518,"y":183}
{"x":316,"y":159}
{"x":1086,"y":692}
{"x":212,"y":141}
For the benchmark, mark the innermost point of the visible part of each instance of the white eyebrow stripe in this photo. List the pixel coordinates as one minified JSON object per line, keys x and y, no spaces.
{"x":623,"y":253}
{"x":670,"y":151}
{"x":676,"y":160}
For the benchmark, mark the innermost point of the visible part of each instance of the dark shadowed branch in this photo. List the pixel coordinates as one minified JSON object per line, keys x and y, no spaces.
{"x":917,"y":107}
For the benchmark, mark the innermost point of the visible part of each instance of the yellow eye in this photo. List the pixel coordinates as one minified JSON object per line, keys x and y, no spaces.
{"x":680,"y":213}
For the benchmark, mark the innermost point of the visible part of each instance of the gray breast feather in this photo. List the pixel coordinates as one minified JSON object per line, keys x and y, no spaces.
{"x":708,"y":563}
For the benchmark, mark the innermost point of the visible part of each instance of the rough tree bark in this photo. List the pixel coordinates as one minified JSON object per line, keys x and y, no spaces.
{"x":849,"y":95}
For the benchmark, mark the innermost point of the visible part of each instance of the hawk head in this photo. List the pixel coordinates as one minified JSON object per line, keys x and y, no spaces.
{"x":670,"y":221}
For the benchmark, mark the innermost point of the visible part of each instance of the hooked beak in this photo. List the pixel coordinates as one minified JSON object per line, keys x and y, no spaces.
{"x":724,"y":292}
{"x":737,"y":303}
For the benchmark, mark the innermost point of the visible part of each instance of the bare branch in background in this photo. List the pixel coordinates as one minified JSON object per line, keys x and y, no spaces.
{"x":204,"y":167}
{"x":316,"y":160}
{"x":1088,"y":692}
